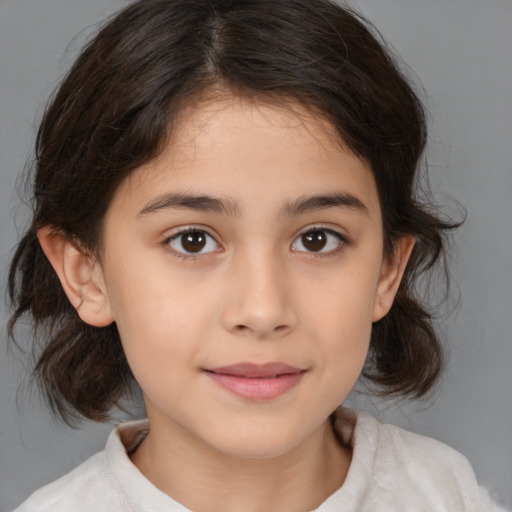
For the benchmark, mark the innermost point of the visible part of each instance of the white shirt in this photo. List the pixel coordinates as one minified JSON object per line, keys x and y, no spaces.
{"x":392,"y":470}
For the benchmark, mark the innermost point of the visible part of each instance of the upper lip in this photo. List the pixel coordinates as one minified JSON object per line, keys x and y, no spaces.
{"x":255,"y":370}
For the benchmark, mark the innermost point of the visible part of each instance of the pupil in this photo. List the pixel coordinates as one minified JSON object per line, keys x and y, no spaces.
{"x":314,"y":241}
{"x":193,"y":242}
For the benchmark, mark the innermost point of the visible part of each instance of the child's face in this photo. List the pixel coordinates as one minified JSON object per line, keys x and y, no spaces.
{"x":281,"y":262}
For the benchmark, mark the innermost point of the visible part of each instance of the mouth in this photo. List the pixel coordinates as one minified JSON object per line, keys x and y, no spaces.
{"x":257,"y":382}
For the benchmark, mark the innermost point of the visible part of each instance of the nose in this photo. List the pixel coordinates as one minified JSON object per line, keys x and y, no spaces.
{"x":258,"y":298}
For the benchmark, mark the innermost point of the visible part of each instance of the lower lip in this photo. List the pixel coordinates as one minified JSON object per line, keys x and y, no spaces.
{"x":257,"y":389}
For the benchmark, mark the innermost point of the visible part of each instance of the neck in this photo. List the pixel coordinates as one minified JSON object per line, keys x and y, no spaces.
{"x":205,"y":480}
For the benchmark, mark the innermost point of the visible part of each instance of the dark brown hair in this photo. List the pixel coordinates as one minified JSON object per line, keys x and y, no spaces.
{"x":114,"y":111}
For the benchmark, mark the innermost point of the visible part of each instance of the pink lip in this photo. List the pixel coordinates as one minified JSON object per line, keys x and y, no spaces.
{"x":257,"y":382}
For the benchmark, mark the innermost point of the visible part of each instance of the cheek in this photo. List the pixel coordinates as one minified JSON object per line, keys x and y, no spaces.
{"x":346,"y":337}
{"x":158,"y":321}
{"x":340,"y":314}
{"x":343,"y":302}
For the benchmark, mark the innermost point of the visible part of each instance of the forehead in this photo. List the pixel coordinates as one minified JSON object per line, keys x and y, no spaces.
{"x":252,"y":152}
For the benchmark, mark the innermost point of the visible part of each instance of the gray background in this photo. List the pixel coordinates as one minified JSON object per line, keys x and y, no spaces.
{"x":461,"y":51}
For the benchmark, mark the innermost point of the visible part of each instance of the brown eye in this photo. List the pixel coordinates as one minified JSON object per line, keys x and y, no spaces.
{"x":319,"y":241}
{"x":314,"y":240}
{"x":193,"y":242}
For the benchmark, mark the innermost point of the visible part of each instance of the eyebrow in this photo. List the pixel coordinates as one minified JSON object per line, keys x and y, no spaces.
{"x":324,"y":201}
{"x":228,"y":206}
{"x":201,"y":203}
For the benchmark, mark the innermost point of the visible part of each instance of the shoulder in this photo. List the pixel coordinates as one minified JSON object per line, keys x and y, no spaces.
{"x":78,"y":490}
{"x":404,"y":469}
{"x":93,"y":485}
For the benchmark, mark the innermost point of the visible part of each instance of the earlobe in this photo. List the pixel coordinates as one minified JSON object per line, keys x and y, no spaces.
{"x":80,"y":275}
{"x":391,"y":275}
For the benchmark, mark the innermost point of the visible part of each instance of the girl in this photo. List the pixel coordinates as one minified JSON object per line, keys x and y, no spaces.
{"x":225,"y":213}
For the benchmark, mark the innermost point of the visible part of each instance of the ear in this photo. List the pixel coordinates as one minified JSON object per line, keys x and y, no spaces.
{"x":80,"y":275}
{"x":393,"y":268}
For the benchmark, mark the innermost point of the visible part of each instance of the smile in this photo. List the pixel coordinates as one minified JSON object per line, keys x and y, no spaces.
{"x":259,"y":383}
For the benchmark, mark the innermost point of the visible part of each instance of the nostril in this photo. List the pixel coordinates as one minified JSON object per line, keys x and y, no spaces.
{"x":245,"y":329}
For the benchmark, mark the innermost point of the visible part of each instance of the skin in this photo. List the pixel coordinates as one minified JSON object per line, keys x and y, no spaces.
{"x":254,"y":293}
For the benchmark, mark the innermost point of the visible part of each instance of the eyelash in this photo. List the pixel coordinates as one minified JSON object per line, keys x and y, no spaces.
{"x":343,"y":242}
{"x":185,"y":256}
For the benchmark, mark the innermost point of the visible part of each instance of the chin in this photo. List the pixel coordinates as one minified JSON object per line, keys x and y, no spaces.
{"x":254,"y":444}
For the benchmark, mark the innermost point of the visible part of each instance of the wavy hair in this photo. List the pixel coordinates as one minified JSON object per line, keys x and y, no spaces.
{"x":114,"y":111}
